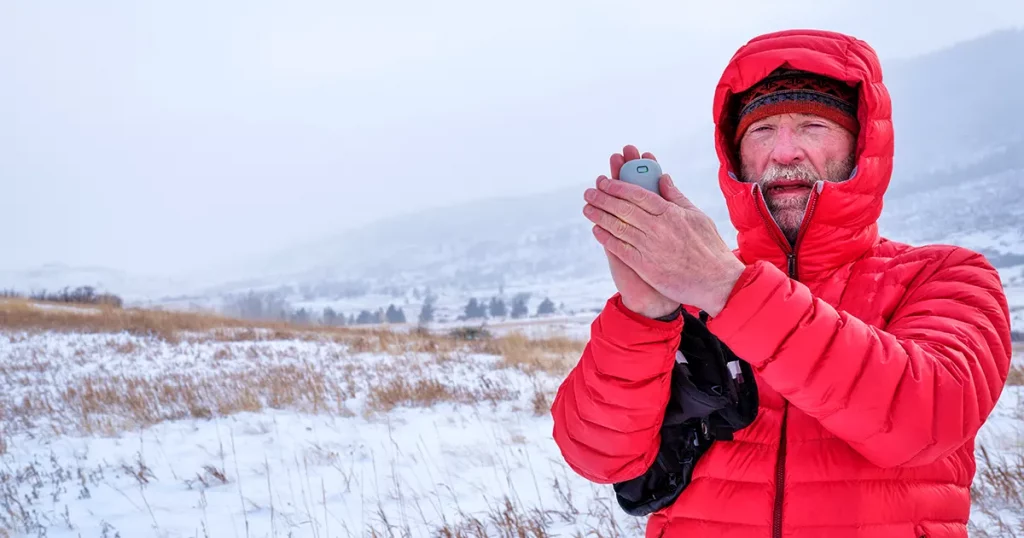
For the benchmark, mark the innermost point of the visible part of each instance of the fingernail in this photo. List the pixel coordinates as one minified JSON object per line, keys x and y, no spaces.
{"x":589,"y":195}
{"x":603,"y":183}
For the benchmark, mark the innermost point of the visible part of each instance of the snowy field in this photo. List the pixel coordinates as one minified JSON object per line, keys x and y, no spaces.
{"x":250,"y":433}
{"x":342,"y":434}
{"x":1013,"y":285}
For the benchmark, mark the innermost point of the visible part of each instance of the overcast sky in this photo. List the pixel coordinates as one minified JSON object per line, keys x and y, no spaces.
{"x":166,"y":137}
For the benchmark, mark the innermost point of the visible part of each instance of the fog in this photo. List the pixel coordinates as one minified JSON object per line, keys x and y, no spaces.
{"x":177,"y":137}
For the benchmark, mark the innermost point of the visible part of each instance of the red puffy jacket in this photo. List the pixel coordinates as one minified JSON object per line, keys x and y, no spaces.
{"x":877,"y":362}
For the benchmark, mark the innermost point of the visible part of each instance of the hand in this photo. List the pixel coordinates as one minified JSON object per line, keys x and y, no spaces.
{"x":667,"y":241}
{"x":637,"y":295}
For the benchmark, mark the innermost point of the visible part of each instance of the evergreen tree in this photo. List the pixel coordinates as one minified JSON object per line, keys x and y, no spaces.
{"x":330,"y":317}
{"x":519,"y":309}
{"x":545,"y":307}
{"x":364,"y":318}
{"x":301,"y":316}
{"x":497,"y":308}
{"x":427,"y":311}
{"x":394,"y":315}
{"x":475,"y":309}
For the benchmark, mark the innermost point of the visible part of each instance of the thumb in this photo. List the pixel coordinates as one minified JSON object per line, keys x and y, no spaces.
{"x":670,"y":192}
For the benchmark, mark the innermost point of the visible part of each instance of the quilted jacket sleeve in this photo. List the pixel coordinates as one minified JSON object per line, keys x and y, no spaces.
{"x":907,"y":395}
{"x":609,"y":409}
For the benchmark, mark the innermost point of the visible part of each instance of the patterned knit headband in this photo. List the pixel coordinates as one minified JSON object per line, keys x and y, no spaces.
{"x":798,"y":92}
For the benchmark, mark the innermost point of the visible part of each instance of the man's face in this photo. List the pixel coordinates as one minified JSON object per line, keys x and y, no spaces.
{"x":786,"y":154}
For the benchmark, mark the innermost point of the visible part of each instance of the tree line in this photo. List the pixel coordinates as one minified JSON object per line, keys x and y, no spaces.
{"x":83,"y":295}
{"x":496,"y":308}
{"x":268,"y":306}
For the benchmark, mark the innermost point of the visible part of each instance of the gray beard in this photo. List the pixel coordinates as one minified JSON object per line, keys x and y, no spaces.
{"x":789,"y":214}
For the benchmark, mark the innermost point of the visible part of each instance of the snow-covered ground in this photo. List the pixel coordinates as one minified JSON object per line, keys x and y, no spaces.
{"x":319,"y":436}
{"x":1013,"y":285}
{"x":110,"y":435}
{"x":998,"y":492}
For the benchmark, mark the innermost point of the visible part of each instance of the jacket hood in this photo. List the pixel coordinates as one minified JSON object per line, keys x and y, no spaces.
{"x":842,"y":217}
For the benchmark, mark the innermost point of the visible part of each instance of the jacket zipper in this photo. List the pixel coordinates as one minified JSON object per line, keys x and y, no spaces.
{"x":811,"y":205}
{"x":792,"y":269}
{"x":780,"y":238}
{"x":780,"y":477}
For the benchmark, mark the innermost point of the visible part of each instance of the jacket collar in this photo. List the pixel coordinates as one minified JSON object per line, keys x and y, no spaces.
{"x":842,"y":218}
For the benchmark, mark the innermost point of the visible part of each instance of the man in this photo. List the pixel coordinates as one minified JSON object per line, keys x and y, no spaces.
{"x":876,"y":362}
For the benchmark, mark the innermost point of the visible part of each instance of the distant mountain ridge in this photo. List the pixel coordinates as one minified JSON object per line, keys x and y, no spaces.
{"x":945,"y":105}
{"x":56,"y":276}
{"x":958,"y":177}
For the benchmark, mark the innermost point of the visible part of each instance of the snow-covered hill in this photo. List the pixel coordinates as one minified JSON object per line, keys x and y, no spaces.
{"x":56,"y":276}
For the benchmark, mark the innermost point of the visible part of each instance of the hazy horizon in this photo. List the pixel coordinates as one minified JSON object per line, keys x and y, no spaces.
{"x":127,"y":131}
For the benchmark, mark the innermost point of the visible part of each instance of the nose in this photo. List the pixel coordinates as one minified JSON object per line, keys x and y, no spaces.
{"x":786,"y":151}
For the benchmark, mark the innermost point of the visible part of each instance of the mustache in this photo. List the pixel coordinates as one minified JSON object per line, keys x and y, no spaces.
{"x":776,"y":173}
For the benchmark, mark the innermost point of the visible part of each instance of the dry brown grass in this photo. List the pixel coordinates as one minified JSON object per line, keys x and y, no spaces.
{"x":592,"y":516}
{"x":554,"y":356}
{"x":27,"y":316}
{"x":998,"y":489}
{"x":242,"y":371}
{"x":427,"y":392}
{"x":1001,"y":478}
{"x":398,"y":392}
{"x":125,"y":370}
{"x":110,"y":403}
{"x":550,"y":355}
{"x":506,"y":518}
{"x":1016,"y":376}
{"x":170,"y":325}
{"x":541,"y":402}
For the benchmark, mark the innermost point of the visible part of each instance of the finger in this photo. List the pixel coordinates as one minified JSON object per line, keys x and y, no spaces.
{"x":645,"y":199}
{"x":670,"y":192}
{"x":622,"y":250}
{"x":649,"y":155}
{"x":615,"y":163}
{"x":613,"y":224}
{"x":630,"y":152}
{"x":621,"y":209}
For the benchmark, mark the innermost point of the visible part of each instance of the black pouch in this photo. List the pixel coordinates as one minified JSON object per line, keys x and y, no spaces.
{"x":713,"y":395}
